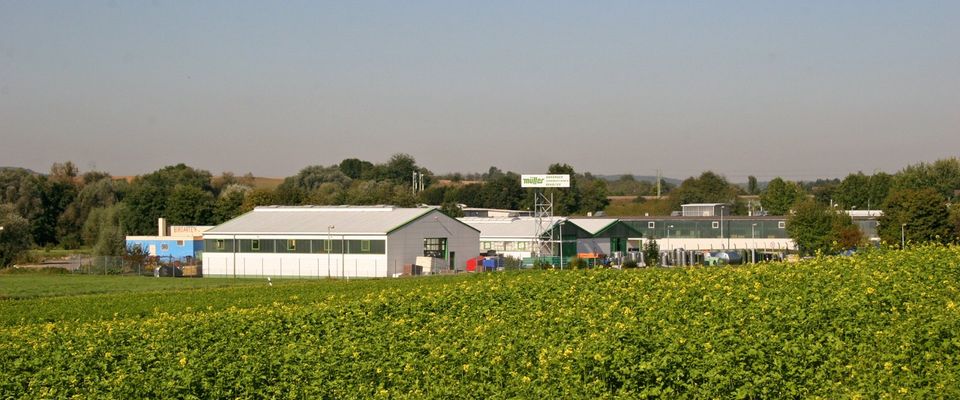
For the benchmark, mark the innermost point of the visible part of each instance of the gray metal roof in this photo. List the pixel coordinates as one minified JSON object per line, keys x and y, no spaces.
{"x":315,"y":220}
{"x":512,"y":227}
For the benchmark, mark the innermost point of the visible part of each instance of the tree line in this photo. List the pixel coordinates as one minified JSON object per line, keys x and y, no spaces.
{"x":67,"y":209}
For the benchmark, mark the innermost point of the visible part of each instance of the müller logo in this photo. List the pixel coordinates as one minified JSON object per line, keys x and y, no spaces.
{"x":545,"y":181}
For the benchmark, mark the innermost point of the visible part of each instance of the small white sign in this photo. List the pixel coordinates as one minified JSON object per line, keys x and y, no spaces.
{"x":545,"y":181}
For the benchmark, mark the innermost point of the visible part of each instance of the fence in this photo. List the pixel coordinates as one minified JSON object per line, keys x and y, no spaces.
{"x":165,"y":266}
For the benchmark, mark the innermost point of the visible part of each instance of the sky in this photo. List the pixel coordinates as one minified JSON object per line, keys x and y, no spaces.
{"x":798,"y":89}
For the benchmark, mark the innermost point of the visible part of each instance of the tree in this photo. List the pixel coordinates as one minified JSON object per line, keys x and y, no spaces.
{"x":502,"y":191}
{"x":147,"y":198}
{"x":470,"y":195}
{"x":355,"y":168}
{"x":257,"y":197}
{"x":823,"y":190}
{"x":593,"y":196}
{"x":328,"y":193}
{"x":923,"y":211}
{"x":566,"y":201}
{"x":190,"y":205}
{"x":862,"y":191}
{"x":57,"y":192}
{"x":707,"y":188}
{"x":955,"y":220}
{"x":14,"y":235}
{"x":144,"y":204}
{"x":434,"y":194}
{"x":104,"y":230}
{"x":451,"y":209}
{"x":230,"y":202}
{"x":815,"y":227}
{"x":780,"y":196}
{"x":752,"y":186}
{"x":310,"y":178}
{"x":400,"y":168}
{"x":651,"y":251}
{"x":942,"y":175}
{"x":64,"y":172}
{"x":170,"y":176}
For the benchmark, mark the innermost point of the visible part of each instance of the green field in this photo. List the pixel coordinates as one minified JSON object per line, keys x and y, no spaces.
{"x":881,"y":324}
{"x":23,"y":286}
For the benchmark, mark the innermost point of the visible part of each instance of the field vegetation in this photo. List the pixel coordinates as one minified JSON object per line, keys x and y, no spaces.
{"x":878,"y":325}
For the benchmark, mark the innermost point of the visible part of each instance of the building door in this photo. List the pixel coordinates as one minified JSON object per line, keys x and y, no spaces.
{"x":453,"y":259}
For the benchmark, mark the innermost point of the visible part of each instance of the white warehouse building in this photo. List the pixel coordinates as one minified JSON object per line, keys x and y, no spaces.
{"x":336,"y":242}
{"x":510,"y":236}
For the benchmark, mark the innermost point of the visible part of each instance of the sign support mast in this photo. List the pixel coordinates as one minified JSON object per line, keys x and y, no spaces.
{"x":543,"y":207}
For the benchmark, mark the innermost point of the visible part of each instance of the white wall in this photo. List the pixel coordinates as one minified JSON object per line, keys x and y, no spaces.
{"x":295,"y":265}
{"x":406,"y":243}
{"x":304,"y":265}
{"x":722,"y":244}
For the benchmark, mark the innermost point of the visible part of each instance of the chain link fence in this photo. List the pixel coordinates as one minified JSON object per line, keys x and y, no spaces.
{"x":157,"y":266}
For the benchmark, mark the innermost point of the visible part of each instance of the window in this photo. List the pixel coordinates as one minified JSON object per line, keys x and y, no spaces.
{"x":435,"y":247}
{"x":255,"y":245}
{"x":715,"y":224}
{"x":220,"y":245}
{"x":781,"y":224}
{"x":291,"y":245}
{"x":521,"y":245}
{"x":327,"y":246}
{"x":651,"y":225}
{"x":365,"y":246}
{"x":180,"y":243}
{"x":486,"y":245}
{"x":164,"y":246}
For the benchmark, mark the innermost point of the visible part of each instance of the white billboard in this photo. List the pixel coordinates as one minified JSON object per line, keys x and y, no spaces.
{"x":545,"y":181}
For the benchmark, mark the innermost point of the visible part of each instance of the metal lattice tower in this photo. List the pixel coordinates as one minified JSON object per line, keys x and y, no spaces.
{"x":543,"y":210}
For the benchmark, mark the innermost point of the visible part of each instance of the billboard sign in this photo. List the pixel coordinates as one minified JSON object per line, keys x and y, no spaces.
{"x":545,"y":181}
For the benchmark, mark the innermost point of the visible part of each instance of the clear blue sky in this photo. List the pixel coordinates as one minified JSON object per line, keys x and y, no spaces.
{"x":800,"y":89}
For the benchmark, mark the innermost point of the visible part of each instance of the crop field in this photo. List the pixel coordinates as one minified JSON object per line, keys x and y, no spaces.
{"x":882,"y":324}
{"x":23,"y":286}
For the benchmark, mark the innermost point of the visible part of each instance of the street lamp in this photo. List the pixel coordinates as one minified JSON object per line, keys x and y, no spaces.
{"x":329,"y":248}
{"x":669,"y":227}
{"x":561,"y":245}
{"x":903,"y":236}
{"x":753,"y":237}
{"x":722,"y":208}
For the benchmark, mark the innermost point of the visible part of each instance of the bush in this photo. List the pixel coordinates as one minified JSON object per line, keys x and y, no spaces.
{"x":630,"y":264}
{"x":577,"y":263}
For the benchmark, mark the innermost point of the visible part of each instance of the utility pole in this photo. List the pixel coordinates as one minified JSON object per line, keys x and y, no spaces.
{"x":658,"y":183}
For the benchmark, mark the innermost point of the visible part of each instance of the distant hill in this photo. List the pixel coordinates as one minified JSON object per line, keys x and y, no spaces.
{"x":647,"y":178}
{"x":29,"y":171}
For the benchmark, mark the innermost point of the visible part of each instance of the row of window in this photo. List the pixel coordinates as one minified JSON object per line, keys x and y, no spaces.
{"x":716,"y":224}
{"x":504,"y":246}
{"x":304,"y":246}
{"x":163,"y":246}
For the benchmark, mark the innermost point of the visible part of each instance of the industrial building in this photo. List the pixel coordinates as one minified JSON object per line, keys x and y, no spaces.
{"x":699,"y":229}
{"x":341,"y":242}
{"x":719,"y":232}
{"x":173,"y":242}
{"x":508,"y":236}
